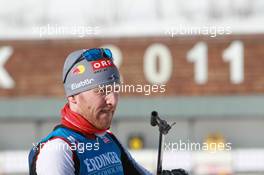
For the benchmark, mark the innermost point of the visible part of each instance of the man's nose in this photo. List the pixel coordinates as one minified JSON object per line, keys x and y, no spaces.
{"x":112,"y":98}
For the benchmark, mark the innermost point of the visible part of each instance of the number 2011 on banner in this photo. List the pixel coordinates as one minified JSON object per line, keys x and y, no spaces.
{"x":198,"y":54}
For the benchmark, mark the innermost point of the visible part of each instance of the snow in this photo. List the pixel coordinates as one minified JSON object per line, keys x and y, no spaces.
{"x":117,"y":18}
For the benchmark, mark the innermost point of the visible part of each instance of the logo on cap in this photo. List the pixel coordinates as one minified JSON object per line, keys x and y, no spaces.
{"x":100,"y":64}
{"x":80,"y":69}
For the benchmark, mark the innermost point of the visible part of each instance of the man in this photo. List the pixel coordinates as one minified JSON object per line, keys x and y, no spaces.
{"x":82,"y":143}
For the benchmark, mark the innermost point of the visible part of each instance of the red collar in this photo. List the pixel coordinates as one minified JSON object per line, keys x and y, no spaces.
{"x":77,"y":122}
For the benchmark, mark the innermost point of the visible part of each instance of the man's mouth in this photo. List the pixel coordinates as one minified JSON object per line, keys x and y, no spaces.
{"x":107,"y":111}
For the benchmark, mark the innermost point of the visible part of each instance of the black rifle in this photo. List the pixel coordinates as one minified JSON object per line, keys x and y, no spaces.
{"x":164,"y":128}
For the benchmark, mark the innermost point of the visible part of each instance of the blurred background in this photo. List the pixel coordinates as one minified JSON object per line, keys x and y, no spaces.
{"x":208,"y":54}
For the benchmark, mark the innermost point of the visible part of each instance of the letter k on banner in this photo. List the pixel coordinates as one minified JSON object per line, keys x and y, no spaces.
{"x":6,"y":80}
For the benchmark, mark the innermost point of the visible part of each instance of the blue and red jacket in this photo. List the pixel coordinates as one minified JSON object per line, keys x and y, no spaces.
{"x":91,"y":153}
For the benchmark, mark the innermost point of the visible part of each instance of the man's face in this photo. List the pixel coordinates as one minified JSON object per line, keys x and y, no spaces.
{"x":97,"y":107}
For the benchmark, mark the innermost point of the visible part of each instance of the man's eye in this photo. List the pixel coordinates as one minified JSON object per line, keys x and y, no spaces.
{"x":117,"y":89}
{"x":96,"y":90}
{"x":99,"y":91}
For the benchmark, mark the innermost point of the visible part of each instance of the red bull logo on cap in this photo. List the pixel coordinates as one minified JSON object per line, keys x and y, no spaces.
{"x":80,"y":69}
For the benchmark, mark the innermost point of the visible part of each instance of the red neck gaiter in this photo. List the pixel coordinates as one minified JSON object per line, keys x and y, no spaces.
{"x":77,"y":122}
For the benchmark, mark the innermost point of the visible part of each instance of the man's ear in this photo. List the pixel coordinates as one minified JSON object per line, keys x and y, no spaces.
{"x":72,"y":99}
